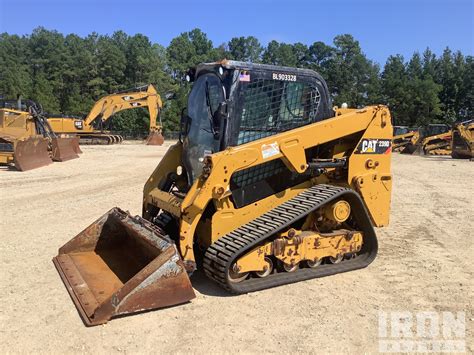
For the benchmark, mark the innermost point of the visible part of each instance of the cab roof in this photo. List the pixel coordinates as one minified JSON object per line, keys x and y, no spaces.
{"x":234,"y":64}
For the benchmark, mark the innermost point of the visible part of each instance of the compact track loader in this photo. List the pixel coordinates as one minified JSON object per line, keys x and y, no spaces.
{"x":403,"y":136}
{"x":92,"y":128}
{"x":28,"y":142}
{"x":434,"y":139}
{"x":268,"y":185}
{"x":438,"y":144}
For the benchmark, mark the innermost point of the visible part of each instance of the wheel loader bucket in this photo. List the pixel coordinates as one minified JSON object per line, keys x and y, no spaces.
{"x":155,"y":138}
{"x":64,"y":148}
{"x":31,"y":153}
{"x":119,"y":265}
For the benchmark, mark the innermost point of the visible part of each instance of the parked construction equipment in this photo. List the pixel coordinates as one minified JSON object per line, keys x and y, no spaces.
{"x":268,"y":185}
{"x":437,"y":144}
{"x":463,"y":140}
{"x":28,"y":142}
{"x":427,"y":140}
{"x":402,"y":136}
{"x":92,"y":128}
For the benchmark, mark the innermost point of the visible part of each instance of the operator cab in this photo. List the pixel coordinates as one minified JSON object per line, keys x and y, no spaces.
{"x":435,"y":129}
{"x":233,"y":103}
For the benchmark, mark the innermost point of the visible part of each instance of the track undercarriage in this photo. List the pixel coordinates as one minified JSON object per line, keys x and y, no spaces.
{"x":100,"y":139}
{"x":271,"y":251}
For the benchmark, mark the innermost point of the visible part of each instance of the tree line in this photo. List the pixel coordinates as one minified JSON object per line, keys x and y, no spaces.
{"x":68,"y":73}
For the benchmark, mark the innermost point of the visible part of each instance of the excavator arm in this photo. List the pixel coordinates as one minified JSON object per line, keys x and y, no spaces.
{"x":145,"y":96}
{"x":90,"y":129}
{"x":466,"y":131}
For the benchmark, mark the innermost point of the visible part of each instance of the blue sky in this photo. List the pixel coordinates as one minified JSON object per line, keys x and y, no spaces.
{"x":383,"y":27}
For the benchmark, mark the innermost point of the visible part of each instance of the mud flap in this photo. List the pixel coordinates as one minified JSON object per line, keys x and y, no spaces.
{"x":31,"y":153}
{"x":64,"y":149}
{"x":155,"y":138}
{"x":119,"y":265}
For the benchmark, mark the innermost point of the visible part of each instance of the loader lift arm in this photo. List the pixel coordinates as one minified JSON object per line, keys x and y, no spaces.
{"x":28,"y":141}
{"x":292,"y":148}
{"x":463,"y":140}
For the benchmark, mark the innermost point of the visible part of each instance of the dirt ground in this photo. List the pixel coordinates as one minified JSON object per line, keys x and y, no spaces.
{"x":424,"y":264}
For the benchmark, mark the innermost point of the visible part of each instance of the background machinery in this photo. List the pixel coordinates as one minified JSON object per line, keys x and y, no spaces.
{"x":437,"y":140}
{"x":28,"y":142}
{"x":462,"y":142}
{"x":92,"y":128}
{"x":402,"y":136}
{"x":268,"y":185}
{"x":431,"y":139}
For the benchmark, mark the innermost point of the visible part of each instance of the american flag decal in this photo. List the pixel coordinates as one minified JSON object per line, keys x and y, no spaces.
{"x":244,"y":76}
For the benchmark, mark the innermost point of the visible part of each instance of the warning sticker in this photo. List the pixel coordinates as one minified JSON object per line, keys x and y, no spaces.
{"x":269,"y":150}
{"x":374,"y":146}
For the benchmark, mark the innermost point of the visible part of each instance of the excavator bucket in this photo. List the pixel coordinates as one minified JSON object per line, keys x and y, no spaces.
{"x":122,"y":264}
{"x":155,"y":138}
{"x":64,"y":148}
{"x":31,"y":153}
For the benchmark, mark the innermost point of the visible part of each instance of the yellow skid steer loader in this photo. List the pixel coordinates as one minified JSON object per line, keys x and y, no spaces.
{"x":267,"y":186}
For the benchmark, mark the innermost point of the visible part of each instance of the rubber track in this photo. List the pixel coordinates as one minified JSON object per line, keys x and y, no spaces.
{"x":221,"y":255}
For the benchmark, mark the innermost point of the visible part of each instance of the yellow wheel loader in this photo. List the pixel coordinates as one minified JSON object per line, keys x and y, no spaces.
{"x":91,"y":129}
{"x":267,"y":186}
{"x":462,"y":143}
{"x":28,"y":142}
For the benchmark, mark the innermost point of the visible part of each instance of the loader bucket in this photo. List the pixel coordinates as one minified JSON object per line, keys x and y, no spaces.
{"x":119,"y":265}
{"x":155,"y":138}
{"x":75,"y":144}
{"x":31,"y":153}
{"x":412,"y":149}
{"x":64,"y":149}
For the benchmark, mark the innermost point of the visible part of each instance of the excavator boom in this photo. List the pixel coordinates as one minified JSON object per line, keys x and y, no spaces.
{"x":91,"y":129}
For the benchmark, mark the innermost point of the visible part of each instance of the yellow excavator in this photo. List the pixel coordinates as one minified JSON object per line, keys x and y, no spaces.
{"x":91,"y":129}
{"x":268,"y":185}
{"x":462,"y":142}
{"x":28,"y":142}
